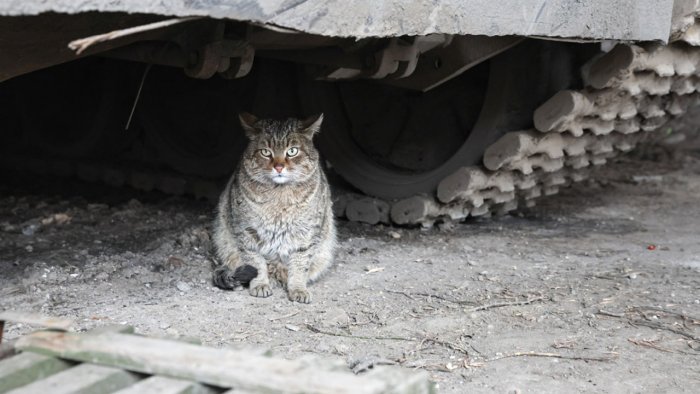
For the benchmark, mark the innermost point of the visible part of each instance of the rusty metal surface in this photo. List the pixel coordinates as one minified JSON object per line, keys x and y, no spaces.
{"x":585,"y":19}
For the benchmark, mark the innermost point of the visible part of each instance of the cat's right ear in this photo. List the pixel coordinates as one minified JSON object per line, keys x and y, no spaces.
{"x":248,"y":122}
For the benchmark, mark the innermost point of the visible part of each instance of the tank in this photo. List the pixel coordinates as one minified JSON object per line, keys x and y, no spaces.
{"x":433,"y":111}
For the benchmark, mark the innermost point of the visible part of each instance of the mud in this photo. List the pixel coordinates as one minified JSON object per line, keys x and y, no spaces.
{"x":596,"y":289}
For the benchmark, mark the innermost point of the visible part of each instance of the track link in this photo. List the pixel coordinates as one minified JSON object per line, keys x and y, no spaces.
{"x":629,"y":92}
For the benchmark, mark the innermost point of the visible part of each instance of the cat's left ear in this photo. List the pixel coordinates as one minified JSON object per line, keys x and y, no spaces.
{"x":248,"y":123}
{"x":311,"y":125}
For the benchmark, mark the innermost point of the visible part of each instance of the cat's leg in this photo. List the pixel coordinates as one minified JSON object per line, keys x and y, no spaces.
{"x":323,"y":253}
{"x":307,"y":265}
{"x":277,"y":271}
{"x":298,"y":265}
{"x":323,"y":256}
{"x":260,"y":285}
{"x":229,"y":273}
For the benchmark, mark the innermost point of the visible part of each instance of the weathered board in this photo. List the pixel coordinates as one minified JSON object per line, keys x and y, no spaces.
{"x":110,"y":360}
{"x":83,"y":379}
{"x":28,"y":367}
{"x":163,"y":385}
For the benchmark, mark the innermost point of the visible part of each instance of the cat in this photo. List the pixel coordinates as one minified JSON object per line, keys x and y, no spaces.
{"x":275,"y":216}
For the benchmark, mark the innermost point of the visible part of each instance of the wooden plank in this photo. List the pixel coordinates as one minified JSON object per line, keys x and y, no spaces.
{"x":83,"y":379}
{"x":163,"y":385}
{"x":126,"y":329}
{"x":7,"y":350}
{"x":35,"y":319}
{"x":25,"y":368}
{"x":118,"y":328}
{"x":218,"y":367}
{"x":400,"y":381}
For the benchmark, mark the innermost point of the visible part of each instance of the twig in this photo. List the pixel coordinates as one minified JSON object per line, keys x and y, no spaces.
{"x":337,"y":334}
{"x":425,"y":339}
{"x":402,"y":293}
{"x":446,"y":344}
{"x":553,"y":355}
{"x":502,"y":304}
{"x":659,"y":326}
{"x":138,"y":95}
{"x":410,"y":295}
{"x":475,"y":349}
{"x":611,"y":314}
{"x":285,"y":316}
{"x":666,"y":311}
{"x":650,"y":344}
{"x":438,"y":297}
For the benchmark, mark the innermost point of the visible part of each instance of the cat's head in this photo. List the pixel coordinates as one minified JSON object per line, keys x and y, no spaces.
{"x":280,"y":151}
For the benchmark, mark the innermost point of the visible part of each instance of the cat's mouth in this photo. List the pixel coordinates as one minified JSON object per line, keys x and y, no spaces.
{"x":280,"y":178}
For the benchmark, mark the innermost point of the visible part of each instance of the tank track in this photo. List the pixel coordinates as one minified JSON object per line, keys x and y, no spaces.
{"x":629,"y":92}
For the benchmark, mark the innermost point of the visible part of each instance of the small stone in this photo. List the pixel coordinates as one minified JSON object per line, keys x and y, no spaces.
{"x":61,"y":218}
{"x":57,"y":218}
{"x":172,"y":332}
{"x":97,"y":207}
{"x":175,"y":262}
{"x":164,"y":326}
{"x":7,"y":227}
{"x":30,"y":229}
{"x":371,"y":270}
{"x":342,"y":348}
{"x":292,"y":327}
{"x":647,"y":178}
{"x":182,"y":286}
{"x":394,"y":234}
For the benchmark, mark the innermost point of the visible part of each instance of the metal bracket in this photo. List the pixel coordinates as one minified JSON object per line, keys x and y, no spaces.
{"x":240,"y":66}
{"x":400,"y":57}
{"x":232,"y":58}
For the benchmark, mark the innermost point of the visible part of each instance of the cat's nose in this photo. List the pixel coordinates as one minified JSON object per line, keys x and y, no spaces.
{"x":279,"y":167}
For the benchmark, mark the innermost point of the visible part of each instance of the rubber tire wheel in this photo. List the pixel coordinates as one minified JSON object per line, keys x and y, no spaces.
{"x":79,"y":109}
{"x":520,"y":79}
{"x":191,"y":124}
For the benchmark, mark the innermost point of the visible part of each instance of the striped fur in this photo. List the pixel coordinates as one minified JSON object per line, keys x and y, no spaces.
{"x":275,"y":221}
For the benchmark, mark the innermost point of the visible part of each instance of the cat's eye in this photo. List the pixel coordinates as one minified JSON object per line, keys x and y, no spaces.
{"x":265,"y":152}
{"x":293,"y":151}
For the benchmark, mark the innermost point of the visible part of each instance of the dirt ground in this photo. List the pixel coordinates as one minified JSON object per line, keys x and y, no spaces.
{"x":594,"y":290}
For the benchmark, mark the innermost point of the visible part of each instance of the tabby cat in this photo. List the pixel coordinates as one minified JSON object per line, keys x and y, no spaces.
{"x":274,"y":217}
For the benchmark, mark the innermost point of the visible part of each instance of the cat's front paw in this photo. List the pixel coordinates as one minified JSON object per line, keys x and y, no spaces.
{"x":300,"y":295}
{"x":260,"y":291}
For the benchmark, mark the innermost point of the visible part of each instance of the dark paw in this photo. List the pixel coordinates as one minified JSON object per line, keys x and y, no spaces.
{"x":300,"y":295}
{"x":227,"y":279}
{"x":260,"y":291}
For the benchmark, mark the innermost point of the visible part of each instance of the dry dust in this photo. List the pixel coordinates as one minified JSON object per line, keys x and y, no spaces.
{"x":594,"y":290}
